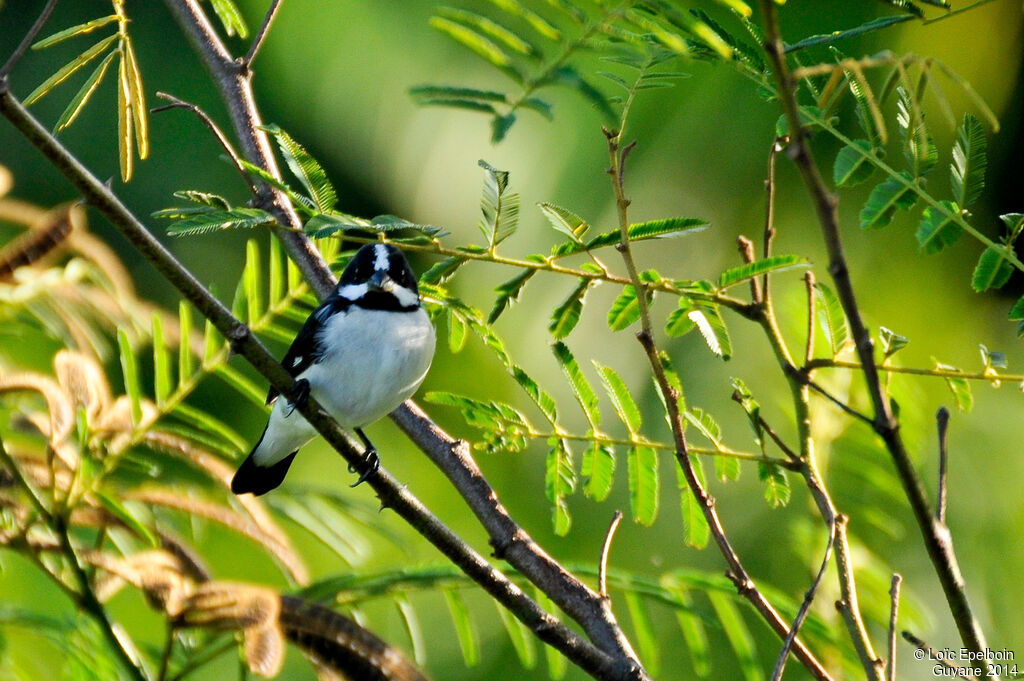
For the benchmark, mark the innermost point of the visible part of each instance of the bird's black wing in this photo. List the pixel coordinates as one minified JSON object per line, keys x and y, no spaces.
{"x":305,"y":349}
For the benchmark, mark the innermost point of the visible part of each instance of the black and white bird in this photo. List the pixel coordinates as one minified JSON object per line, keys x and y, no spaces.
{"x":362,"y":353}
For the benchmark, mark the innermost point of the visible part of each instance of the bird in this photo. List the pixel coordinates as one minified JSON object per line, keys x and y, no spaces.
{"x":360,"y":354}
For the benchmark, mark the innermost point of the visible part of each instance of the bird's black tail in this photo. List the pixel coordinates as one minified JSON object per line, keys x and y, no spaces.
{"x":252,"y":477}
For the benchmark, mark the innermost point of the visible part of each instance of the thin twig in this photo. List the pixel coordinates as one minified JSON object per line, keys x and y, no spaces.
{"x":176,"y":103}
{"x":746,"y":249}
{"x":942,"y":421}
{"x":26,"y":42}
{"x":811,"y":312}
{"x":805,"y":607}
{"x":849,"y":607}
{"x":894,"y":607}
{"x":257,"y":42}
{"x":803,"y":378}
{"x":745,"y":586}
{"x":825,"y":363}
{"x":602,"y":567}
{"x":769,"y":211}
{"x":937,"y":543}
{"x":394,"y":495}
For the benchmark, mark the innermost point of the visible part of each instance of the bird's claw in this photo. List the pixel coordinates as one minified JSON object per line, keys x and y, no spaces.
{"x":370,"y":465}
{"x":300,"y":395}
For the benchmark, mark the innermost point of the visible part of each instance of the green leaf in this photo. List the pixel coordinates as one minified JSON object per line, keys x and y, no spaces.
{"x":938,"y":230}
{"x":230,"y":18}
{"x":992,"y":271}
{"x":500,"y":209}
{"x":78,"y":102}
{"x":696,"y":530}
{"x":534,"y":20}
{"x":706,"y":424}
{"x":885,"y":199}
{"x":557,"y":664}
{"x":559,"y":483}
{"x":184,"y":351}
{"x":918,"y":145}
{"x":852,"y":166}
{"x":211,"y":343}
{"x":727,"y":468}
{"x":692,"y":628}
{"x":564,"y":220}
{"x":247,"y":388}
{"x":131,"y":375}
{"x":992,"y":359}
{"x":776,"y":485}
{"x":647,"y":642}
{"x":565,"y":317}
{"x":774,"y":263}
{"x":598,"y":471}
{"x":441,"y":272}
{"x":484,"y":26}
{"x":214,"y":220}
{"x":124,"y":121}
{"x":464,"y":629}
{"x":1014,"y":225}
{"x":136,"y":97}
{"x":69,"y":69}
{"x":571,"y":78}
{"x":542,"y":399}
{"x":625,"y":406}
{"x":456,"y":331}
{"x":831,"y":317}
{"x":306,"y":168}
{"x":678,"y":322}
{"x":892,"y":342}
{"x":671,"y":227}
{"x":203,"y":198}
{"x":161,"y":362}
{"x":477,"y":43}
{"x":1017,"y":311}
{"x":442,"y":92}
{"x":737,"y":634}
{"x":413,"y":628}
{"x":742,"y":395}
{"x":967,"y":172}
{"x":708,"y":320}
{"x":808,"y":116}
{"x":581,"y":388}
{"x":507,"y":293}
{"x":520,"y":636}
{"x":125,"y":515}
{"x":642,"y":464}
{"x":302,"y":202}
{"x":960,"y":387}
{"x":80,"y":29}
{"x":252,"y":277}
{"x":866,"y":27}
{"x":626,"y":309}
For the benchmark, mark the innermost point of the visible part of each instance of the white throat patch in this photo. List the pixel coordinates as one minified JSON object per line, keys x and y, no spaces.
{"x":380,"y":262}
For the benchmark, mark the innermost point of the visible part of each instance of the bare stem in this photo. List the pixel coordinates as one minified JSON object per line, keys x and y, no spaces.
{"x":942,"y":420}
{"x":176,"y":103}
{"x":602,"y":568}
{"x":936,"y":538}
{"x":26,"y":42}
{"x":894,"y":607}
{"x":990,"y":377}
{"x":261,"y":36}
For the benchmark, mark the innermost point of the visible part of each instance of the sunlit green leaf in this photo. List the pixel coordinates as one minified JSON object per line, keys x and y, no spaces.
{"x":73,"y":31}
{"x":642,"y":462}
{"x":137,"y":98}
{"x":508,"y":292}
{"x":559,"y":484}
{"x":776,"y":485}
{"x":960,"y":387}
{"x":885,"y":198}
{"x":125,"y":122}
{"x":773,"y":263}
{"x":465,"y":632}
{"x":598,"y":471}
{"x":478,"y":43}
{"x":852,"y":166}
{"x":708,"y":319}
{"x":565,"y":317}
{"x":967,"y":172}
{"x":992,"y":271}
{"x":938,"y":230}
{"x":310,"y":173}
{"x":214,"y":220}
{"x":130,"y":371}
{"x":69,"y":69}
{"x":500,"y":209}
{"x":564,"y":220}
{"x":230,"y":18}
{"x":581,"y":388}
{"x":892,"y":342}
{"x":831,"y":317}
{"x":184,"y":335}
{"x":696,"y":530}
{"x":542,"y":399}
{"x":918,"y":145}
{"x":78,"y":102}
{"x":483,"y":26}
{"x":625,"y":405}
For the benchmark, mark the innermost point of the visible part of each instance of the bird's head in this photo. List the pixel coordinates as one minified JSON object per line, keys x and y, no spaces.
{"x":379,"y":276}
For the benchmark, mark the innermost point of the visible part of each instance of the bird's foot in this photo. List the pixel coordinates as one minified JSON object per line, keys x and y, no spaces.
{"x":300,"y":395}
{"x":370,"y":465}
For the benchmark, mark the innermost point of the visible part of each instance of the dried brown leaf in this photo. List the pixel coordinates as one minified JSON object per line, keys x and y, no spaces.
{"x":82,"y":379}
{"x":61,"y":413}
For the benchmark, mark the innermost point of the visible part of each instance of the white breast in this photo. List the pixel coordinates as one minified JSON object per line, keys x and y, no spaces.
{"x":377,"y":360}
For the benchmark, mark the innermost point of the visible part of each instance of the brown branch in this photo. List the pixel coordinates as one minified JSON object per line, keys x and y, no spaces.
{"x":744,"y":584}
{"x":586,"y":655}
{"x":936,"y":538}
{"x":257,"y":42}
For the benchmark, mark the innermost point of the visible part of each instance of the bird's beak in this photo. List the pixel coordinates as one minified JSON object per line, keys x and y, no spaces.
{"x":380,"y":281}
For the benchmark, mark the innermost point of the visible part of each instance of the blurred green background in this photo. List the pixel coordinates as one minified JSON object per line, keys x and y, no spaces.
{"x":336,"y":75}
